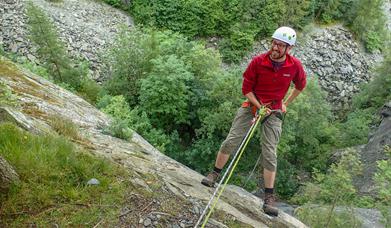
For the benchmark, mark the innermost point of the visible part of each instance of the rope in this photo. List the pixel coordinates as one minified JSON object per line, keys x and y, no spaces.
{"x":234,"y":162}
{"x":252,"y":172}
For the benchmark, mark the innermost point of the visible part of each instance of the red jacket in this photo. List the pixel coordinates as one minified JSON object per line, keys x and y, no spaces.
{"x":269,"y":85}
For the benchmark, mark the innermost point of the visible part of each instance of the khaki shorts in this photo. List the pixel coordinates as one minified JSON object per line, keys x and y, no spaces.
{"x":271,"y":132}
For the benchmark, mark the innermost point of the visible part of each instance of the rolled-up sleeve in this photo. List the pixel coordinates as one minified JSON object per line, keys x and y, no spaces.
{"x":300,"y":79}
{"x":249,"y":78}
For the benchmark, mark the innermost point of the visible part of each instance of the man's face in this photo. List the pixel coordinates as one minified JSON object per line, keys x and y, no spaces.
{"x":278,"y":49}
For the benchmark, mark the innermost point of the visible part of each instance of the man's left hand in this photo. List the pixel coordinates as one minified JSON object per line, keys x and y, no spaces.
{"x":283,"y":108}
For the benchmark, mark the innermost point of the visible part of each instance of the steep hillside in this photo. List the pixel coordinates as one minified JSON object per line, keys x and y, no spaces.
{"x":152,"y":171}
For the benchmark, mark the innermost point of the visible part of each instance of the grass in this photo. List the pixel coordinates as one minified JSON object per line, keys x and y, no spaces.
{"x":64,"y":127}
{"x":52,"y":188}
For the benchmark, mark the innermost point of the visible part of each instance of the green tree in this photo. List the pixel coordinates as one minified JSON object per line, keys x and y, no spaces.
{"x":368,"y":23}
{"x":127,"y":62}
{"x":50,"y":49}
{"x":165,"y":93}
{"x":308,"y":130}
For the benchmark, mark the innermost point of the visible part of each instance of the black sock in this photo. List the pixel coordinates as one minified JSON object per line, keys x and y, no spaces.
{"x":269,"y":190}
{"x":217,"y":170}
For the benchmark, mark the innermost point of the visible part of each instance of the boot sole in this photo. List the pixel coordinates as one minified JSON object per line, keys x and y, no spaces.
{"x":207,"y":184}
{"x":271,"y":213}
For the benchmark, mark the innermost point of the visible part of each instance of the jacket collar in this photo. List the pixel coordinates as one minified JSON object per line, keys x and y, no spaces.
{"x":268,"y":63}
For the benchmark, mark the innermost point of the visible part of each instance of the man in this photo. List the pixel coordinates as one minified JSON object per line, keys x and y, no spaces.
{"x":265,"y":83}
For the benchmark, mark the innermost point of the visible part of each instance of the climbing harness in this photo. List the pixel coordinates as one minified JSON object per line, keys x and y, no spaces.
{"x":261,"y":113}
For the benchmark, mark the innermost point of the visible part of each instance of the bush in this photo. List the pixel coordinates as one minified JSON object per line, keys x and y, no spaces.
{"x":165,"y":93}
{"x":377,"y":92}
{"x":329,"y":191}
{"x":355,"y":130}
{"x":308,"y":131}
{"x":7,"y":98}
{"x":367,"y":21}
{"x":286,"y":182}
{"x":383,"y":186}
{"x":236,"y":45}
{"x":126,"y":120}
{"x":128,"y":61}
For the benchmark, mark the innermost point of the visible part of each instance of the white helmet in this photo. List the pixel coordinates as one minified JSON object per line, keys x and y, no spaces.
{"x":285,"y":34}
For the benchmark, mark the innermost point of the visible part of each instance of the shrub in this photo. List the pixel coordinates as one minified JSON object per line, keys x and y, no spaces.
{"x":367,"y":21}
{"x":127,"y":61}
{"x":126,"y":120}
{"x":237,"y":45}
{"x":330,"y":190}
{"x":165,"y":93}
{"x":383,"y":186}
{"x":50,"y":49}
{"x":7,"y":98}
{"x":308,"y":131}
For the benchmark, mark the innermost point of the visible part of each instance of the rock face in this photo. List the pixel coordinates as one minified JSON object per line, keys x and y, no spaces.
{"x":374,"y":151}
{"x":7,"y":175}
{"x":40,"y":99}
{"x":333,"y":57}
{"x":86,"y":27}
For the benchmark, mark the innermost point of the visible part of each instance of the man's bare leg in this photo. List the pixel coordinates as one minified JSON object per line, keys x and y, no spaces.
{"x":212,"y":177}
{"x":221,"y":160}
{"x":269,"y":178}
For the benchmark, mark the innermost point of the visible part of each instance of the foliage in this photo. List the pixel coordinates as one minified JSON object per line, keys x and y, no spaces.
{"x":90,"y":90}
{"x":328,"y":11}
{"x":238,"y":22}
{"x":126,"y":61}
{"x":165,"y":93}
{"x":236,"y":45}
{"x":7,"y":98}
{"x":126,"y":120}
{"x":191,"y":18}
{"x":383,"y":186}
{"x":367,"y":21}
{"x":314,"y":216}
{"x":355,"y":130}
{"x":115,"y":3}
{"x":120,"y":111}
{"x":308,"y":133}
{"x":334,"y":188}
{"x":120,"y":129}
{"x":50,"y":49}
{"x":286,"y":184}
{"x":374,"y":94}
{"x":52,"y":188}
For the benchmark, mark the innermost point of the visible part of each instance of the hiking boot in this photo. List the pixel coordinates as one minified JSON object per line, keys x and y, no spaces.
{"x":268,"y":205}
{"x":211,"y":179}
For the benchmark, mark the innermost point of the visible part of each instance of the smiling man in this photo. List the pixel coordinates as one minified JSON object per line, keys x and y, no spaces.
{"x":265,"y":83}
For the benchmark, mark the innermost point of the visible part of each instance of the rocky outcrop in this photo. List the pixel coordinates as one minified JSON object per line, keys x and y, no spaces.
{"x":39,"y":99}
{"x":7,"y":175}
{"x":374,"y":151}
{"x":86,"y":28}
